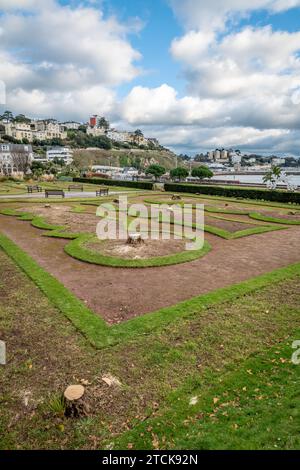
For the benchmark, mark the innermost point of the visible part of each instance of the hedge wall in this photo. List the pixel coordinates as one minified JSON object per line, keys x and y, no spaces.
{"x":105,"y":182}
{"x":245,"y":193}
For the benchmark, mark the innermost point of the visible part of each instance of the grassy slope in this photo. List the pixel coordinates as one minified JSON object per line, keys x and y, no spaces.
{"x":213,"y":354}
{"x":112,"y":157}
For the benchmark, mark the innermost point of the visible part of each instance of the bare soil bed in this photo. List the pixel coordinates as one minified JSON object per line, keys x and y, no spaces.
{"x":62,"y":215}
{"x":148,"y":249}
{"x":230,"y":226}
{"x":291,"y":215}
{"x":118,"y":294}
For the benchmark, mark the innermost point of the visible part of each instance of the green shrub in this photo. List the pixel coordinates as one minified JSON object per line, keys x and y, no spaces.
{"x":244,"y":193}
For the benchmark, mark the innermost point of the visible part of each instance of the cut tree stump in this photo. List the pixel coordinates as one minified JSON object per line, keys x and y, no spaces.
{"x":75,"y":404}
{"x":135,"y":239}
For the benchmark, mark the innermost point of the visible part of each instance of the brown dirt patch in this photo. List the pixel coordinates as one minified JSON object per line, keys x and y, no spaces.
{"x":231,"y":227}
{"x":119,"y":294}
{"x":291,"y":215}
{"x":62,"y":215}
{"x":148,"y":249}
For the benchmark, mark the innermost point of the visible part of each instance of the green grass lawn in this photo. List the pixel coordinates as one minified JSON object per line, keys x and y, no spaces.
{"x":231,"y":357}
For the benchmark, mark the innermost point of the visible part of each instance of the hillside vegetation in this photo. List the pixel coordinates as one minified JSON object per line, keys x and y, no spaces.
{"x":125,"y":157}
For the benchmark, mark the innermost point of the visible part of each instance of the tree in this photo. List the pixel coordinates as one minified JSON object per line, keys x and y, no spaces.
{"x":202,"y":172}
{"x":156,"y":170}
{"x":7,"y":116}
{"x":21,"y":160}
{"x":272,"y":177}
{"x":58,"y":161}
{"x":104,"y":123}
{"x":179,"y":173}
{"x":22,"y":118}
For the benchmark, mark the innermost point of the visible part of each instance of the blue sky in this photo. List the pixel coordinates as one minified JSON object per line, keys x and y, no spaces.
{"x":196,"y":74}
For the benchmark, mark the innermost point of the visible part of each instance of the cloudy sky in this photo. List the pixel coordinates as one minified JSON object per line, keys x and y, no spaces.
{"x":197,"y":74}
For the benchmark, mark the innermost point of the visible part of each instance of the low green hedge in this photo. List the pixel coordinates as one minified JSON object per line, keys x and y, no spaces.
{"x":245,"y":193}
{"x":126,"y":184}
{"x":78,"y":250}
{"x":274,"y":220}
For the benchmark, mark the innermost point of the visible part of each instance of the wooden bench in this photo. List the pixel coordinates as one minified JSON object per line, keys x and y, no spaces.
{"x":75,"y":187}
{"x":54,"y":192}
{"x":31,"y":189}
{"x":102,"y":192}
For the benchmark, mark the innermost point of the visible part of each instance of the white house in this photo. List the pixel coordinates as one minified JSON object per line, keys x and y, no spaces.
{"x":61,"y":153}
{"x":71,"y":125}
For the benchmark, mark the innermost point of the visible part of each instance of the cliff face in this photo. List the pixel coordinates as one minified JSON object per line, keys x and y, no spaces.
{"x":84,"y":158}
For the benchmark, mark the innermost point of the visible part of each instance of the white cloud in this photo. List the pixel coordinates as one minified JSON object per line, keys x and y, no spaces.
{"x":56,"y":50}
{"x":213,"y":14}
{"x":193,"y":139}
{"x":242,"y":85}
{"x":162,"y":106}
{"x":76,"y":105}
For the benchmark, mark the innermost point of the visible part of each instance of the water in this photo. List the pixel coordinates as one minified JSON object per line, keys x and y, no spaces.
{"x":295,"y":179}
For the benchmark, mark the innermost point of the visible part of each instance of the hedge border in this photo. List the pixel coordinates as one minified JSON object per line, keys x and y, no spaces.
{"x":99,"y":333}
{"x":127,"y":184}
{"x":245,"y":193}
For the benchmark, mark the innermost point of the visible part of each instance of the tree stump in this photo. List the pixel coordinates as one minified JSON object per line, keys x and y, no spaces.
{"x":135,"y":239}
{"x":75,"y":404}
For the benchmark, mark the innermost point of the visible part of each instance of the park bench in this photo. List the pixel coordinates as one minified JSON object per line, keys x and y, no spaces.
{"x":31,"y":189}
{"x":76,"y":187}
{"x":54,"y":192}
{"x":102,"y":192}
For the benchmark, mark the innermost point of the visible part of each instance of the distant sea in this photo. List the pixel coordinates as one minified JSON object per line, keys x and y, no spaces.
{"x":253,"y":178}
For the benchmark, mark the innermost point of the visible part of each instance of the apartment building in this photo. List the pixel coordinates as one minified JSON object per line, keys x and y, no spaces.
{"x":96,"y":131}
{"x":35,"y":130}
{"x":61,"y":153}
{"x":71,"y":125}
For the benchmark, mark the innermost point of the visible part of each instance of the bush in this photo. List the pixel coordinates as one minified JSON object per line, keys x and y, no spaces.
{"x":245,"y":193}
{"x":105,"y":182}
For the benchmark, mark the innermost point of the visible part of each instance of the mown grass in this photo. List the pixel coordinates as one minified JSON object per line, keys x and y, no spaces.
{"x":233,"y":355}
{"x":274,"y":220}
{"x":254,"y":407}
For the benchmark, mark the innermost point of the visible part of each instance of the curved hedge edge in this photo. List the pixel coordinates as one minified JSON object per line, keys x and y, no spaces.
{"x":250,"y":222}
{"x":274,"y":220}
{"x":62,"y":235}
{"x":76,"y":249}
{"x":99,"y":333}
{"x":255,"y":231}
{"x":39,"y":222}
{"x":219,"y":232}
{"x":93,"y":327}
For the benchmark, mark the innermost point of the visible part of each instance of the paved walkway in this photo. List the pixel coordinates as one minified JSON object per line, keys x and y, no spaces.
{"x":84,"y":194}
